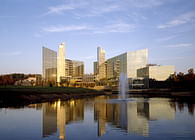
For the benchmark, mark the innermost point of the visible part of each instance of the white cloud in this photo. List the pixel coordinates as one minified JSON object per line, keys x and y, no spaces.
{"x":165,"y":38}
{"x":145,"y":3}
{"x":59,"y":9}
{"x":99,"y":7}
{"x":65,"y":28}
{"x":113,"y":28}
{"x":179,"y":45}
{"x":185,"y":18}
{"x":119,"y":27}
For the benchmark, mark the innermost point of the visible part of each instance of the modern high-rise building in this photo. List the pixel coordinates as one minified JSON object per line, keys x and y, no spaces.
{"x":127,"y":63}
{"x":101,"y":71}
{"x":95,"y":68}
{"x":74,"y":68}
{"x":56,"y":68}
{"x":49,"y":65}
{"x":61,"y":62}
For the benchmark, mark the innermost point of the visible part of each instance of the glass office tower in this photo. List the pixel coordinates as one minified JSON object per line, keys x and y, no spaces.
{"x":49,"y":65}
{"x":127,"y":63}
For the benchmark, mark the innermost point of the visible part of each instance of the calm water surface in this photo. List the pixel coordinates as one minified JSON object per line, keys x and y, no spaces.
{"x":100,"y":118}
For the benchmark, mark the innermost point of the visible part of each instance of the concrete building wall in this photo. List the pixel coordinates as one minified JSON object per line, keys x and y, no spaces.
{"x":159,"y":73}
{"x":78,"y":68}
{"x":95,"y":68}
{"x":143,"y":72}
{"x":61,"y":62}
{"x":101,"y":63}
{"x":74,"y":68}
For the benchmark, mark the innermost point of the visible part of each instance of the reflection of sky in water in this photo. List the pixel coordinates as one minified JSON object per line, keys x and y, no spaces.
{"x":99,"y":118}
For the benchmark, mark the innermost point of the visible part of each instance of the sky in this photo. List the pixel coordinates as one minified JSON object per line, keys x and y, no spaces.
{"x":165,"y":27}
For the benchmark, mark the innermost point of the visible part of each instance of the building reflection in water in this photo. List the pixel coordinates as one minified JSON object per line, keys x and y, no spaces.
{"x":132,"y":116}
{"x":58,"y":114}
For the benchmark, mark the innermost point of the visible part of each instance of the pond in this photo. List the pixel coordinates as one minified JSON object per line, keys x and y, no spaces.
{"x":102,"y":117}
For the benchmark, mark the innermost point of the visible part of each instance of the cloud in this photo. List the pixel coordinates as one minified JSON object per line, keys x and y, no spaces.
{"x":179,"y":45}
{"x":98,"y":11}
{"x":116,"y":28}
{"x":182,"y":19}
{"x":65,"y":28}
{"x":83,"y":8}
{"x":145,"y":3}
{"x":165,"y":38}
{"x":16,"y":53}
{"x":59,"y":9}
{"x":112,"y":28}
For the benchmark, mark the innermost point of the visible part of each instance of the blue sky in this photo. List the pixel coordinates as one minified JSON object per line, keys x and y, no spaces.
{"x":165,"y":27}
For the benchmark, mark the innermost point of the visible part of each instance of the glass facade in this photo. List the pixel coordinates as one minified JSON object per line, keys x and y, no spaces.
{"x":49,"y":65}
{"x":135,"y":60}
{"x":127,"y":63}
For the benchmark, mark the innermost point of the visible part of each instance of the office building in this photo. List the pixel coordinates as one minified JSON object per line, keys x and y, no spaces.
{"x":49,"y":65}
{"x":159,"y":73}
{"x":95,"y":68}
{"x":101,"y":68}
{"x":74,"y":68}
{"x":127,"y":63}
{"x":61,"y":62}
{"x":56,"y":68}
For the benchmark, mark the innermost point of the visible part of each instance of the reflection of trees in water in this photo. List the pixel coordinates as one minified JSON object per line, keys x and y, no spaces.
{"x":182,"y":105}
{"x":191,"y":109}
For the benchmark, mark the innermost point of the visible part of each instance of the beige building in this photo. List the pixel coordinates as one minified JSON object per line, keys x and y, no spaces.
{"x":101,"y":71}
{"x":74,"y":68}
{"x":95,"y":68}
{"x":61,"y":62}
{"x":159,"y":73}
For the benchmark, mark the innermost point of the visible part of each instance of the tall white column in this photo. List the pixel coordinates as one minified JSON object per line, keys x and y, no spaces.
{"x":61,"y":62}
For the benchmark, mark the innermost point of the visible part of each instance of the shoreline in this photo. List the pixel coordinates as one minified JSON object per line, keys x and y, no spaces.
{"x":21,"y":96}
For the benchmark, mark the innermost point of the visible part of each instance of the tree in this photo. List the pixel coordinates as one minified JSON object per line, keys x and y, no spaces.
{"x":191,"y":71}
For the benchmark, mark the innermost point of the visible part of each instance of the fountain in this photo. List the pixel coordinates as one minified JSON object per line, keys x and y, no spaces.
{"x":123,"y":90}
{"x":123,"y":86}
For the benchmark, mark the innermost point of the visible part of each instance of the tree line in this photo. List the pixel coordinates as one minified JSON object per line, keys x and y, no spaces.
{"x":10,"y":79}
